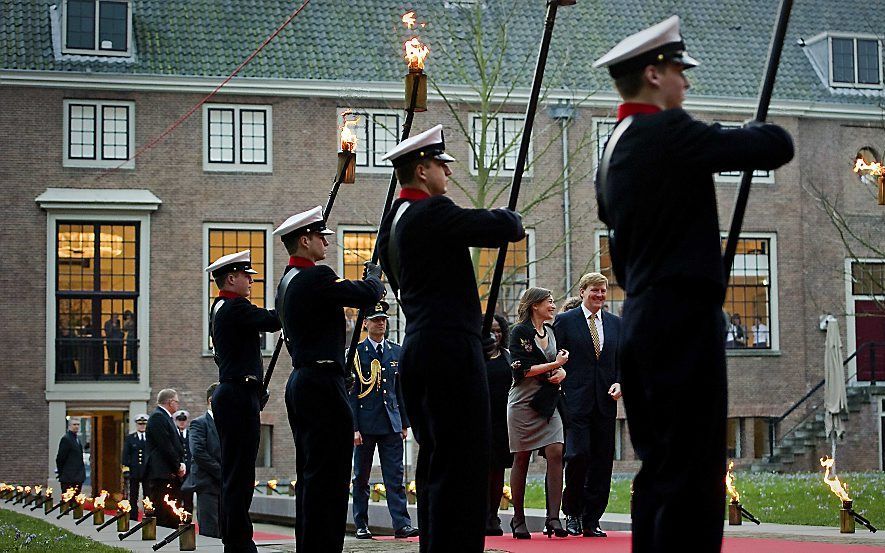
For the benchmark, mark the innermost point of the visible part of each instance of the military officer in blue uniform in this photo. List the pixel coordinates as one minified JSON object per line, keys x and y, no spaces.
{"x":236,"y":326}
{"x":132,"y":460}
{"x":310,"y":301}
{"x":379,"y":419}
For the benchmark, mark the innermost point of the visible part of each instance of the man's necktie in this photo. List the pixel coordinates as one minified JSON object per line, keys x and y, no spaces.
{"x":380,"y":351}
{"x":594,"y":334}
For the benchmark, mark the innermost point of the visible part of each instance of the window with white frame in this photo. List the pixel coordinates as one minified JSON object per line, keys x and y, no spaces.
{"x":496,"y":141}
{"x":99,"y":133}
{"x":855,"y":61}
{"x":759,"y":176}
{"x":751,"y":298}
{"x":518,"y":274}
{"x":377,"y":132}
{"x":226,"y":238}
{"x":97,"y":27}
{"x":614,"y":301}
{"x":238,"y":137}
{"x":602,"y":130}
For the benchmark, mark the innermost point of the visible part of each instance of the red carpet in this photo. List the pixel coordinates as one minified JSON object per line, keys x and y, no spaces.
{"x":619,"y":542}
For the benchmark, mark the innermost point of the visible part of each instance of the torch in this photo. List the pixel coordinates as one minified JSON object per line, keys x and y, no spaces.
{"x":378,"y":491}
{"x":26,"y":498}
{"x":187,"y":539}
{"x":66,"y":497}
{"x":346,"y":173}
{"x":19,"y":494}
{"x":874,"y":169}
{"x":148,"y":524}
{"x":532,"y":107}
{"x":272,"y":487}
{"x":740,"y":205}
{"x":97,"y":511}
{"x":847,"y":514}
{"x":736,"y":511}
{"x":47,"y":497}
{"x":415,"y":55}
{"x":4,"y":490}
{"x":76,"y":506}
{"x":506,"y":497}
{"x":36,"y":500}
{"x":121,"y":518}
{"x":412,"y":493}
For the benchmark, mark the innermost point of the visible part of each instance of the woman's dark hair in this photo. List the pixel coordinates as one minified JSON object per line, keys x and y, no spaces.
{"x":505,"y":331}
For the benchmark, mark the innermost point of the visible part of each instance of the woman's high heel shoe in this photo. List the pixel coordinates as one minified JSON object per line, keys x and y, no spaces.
{"x":520,"y":531}
{"x":552,"y":527}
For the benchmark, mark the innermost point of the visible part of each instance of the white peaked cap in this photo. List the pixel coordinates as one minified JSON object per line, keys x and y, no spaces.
{"x":658,"y":43}
{"x":304,"y":222}
{"x":429,"y":143}
{"x":240,"y":261}
{"x":141,"y":417}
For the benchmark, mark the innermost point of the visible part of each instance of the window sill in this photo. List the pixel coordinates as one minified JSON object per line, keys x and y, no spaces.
{"x":752,"y":352}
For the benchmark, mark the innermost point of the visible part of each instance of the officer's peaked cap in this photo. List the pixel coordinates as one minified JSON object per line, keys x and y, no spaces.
{"x":428,"y":144}
{"x":657,"y":44}
{"x":240,"y":261}
{"x":303,"y":223}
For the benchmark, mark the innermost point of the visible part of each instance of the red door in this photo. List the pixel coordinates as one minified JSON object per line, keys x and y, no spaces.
{"x":870,"y":327}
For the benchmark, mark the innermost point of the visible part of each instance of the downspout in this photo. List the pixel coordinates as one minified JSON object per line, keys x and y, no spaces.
{"x":564,"y":112}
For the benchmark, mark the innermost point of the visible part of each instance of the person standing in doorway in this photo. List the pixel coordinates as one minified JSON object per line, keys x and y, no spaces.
{"x":69,"y":461}
{"x":133,"y":461}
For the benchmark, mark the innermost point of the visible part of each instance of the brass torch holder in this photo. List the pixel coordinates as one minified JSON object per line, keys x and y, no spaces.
{"x":116,"y":518}
{"x":148,"y":526}
{"x":734,"y":514}
{"x":98,"y":517}
{"x":416,"y":79}
{"x":29,"y":498}
{"x":846,"y":518}
{"x":187,"y":538}
{"x":91,"y":513}
{"x":123,"y":522}
{"x":48,"y":506}
{"x":291,"y":489}
{"x":347,"y":174}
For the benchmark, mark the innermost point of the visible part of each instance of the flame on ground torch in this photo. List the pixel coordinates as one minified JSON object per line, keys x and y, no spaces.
{"x":81,"y":498}
{"x":729,"y":484}
{"x":37,"y":490}
{"x":124,"y":506}
{"x":835,"y":485}
{"x":182,"y":515}
{"x":68,"y":495}
{"x":148,"y":506}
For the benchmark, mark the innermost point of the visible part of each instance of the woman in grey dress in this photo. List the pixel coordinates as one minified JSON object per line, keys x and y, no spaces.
{"x":533,"y":425}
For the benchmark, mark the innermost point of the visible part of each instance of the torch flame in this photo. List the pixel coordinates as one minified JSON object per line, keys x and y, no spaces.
{"x":38,"y":489}
{"x":272,"y":484}
{"x":729,"y":484}
{"x":148,"y":505}
{"x":835,"y":485}
{"x":875,"y":168}
{"x":19,"y":489}
{"x":48,"y":492}
{"x":27,"y":489}
{"x":348,"y":141}
{"x":68,"y":494}
{"x":409,"y":19}
{"x":415,"y":52}
{"x":182,"y":515}
{"x":124,"y":506}
{"x":80,"y":498}
{"x":98,"y":502}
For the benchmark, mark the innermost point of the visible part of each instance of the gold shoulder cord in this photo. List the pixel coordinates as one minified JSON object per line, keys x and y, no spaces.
{"x":374,"y":376}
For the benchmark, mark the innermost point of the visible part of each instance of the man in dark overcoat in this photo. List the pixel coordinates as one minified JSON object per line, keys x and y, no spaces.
{"x":310,"y":301}
{"x":590,"y":334}
{"x":204,"y":475}
{"x":69,"y":459}
{"x":164,"y":458}
{"x":656,"y":193}
{"x":425,"y":242}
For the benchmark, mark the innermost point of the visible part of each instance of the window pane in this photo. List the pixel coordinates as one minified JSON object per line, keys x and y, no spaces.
{"x":75,"y":257}
{"x":514,"y":281}
{"x":358,"y":246}
{"x":384,"y":130}
{"x":615,"y":297}
{"x":115,"y":132}
{"x":253,"y":132}
{"x":112,"y":33}
{"x":868,"y":62}
{"x":485,"y":157}
{"x":748,"y":298}
{"x":843,"y":60}
{"x":510,"y":140}
{"x":604,"y":130}
{"x":867,"y":278}
{"x":221,"y":132}
{"x":81,"y":131}
{"x":80,"y":24}
{"x":115,"y":250}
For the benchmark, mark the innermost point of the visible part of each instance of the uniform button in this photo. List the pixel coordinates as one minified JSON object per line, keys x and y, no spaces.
{"x":383,"y":370}
{"x":385,"y":391}
{"x":385,"y":403}
{"x":383,"y":380}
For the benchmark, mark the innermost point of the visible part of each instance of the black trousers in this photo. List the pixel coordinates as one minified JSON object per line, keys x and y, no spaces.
{"x":134,"y":484}
{"x":447,"y":399}
{"x":322,"y":425}
{"x":675,"y":392}
{"x":589,"y":456}
{"x":237,"y":417}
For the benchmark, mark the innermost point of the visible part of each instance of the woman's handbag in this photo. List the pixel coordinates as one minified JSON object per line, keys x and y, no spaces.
{"x":545,"y":399}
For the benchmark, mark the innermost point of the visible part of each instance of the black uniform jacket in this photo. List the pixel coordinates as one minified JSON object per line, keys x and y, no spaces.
{"x":659,"y":199}
{"x":204,"y":474}
{"x":313,"y":314}
{"x":164,"y":451}
{"x":236,"y":328}
{"x":69,"y":460}
{"x":133,"y":455}
{"x":588,"y":379}
{"x":436,"y":279}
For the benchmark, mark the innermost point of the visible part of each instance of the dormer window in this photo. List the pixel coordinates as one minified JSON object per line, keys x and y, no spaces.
{"x":97,"y":27}
{"x":855,"y":61}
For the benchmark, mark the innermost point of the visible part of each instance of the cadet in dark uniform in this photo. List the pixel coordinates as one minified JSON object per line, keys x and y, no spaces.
{"x":311,"y":301}
{"x":426,"y":254}
{"x":379,"y":418}
{"x":656,"y":193}
{"x":132,"y":460}
{"x":236,"y":326}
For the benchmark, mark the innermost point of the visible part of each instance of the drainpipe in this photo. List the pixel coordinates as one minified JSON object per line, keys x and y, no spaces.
{"x":564,"y":112}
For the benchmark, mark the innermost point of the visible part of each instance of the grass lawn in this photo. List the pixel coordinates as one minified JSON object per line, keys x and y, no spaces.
{"x":19,"y":532}
{"x":800,"y":498}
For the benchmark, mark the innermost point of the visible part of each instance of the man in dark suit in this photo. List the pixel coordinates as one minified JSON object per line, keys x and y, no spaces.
{"x":656,"y":193}
{"x":133,"y":462}
{"x":236,"y":325}
{"x":591,"y":335}
{"x":204,"y":475}
{"x":379,"y":418}
{"x":164,"y":456}
{"x":181,"y":418}
{"x":424,"y":243}
{"x":310,"y":302}
{"x":69,"y":460}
